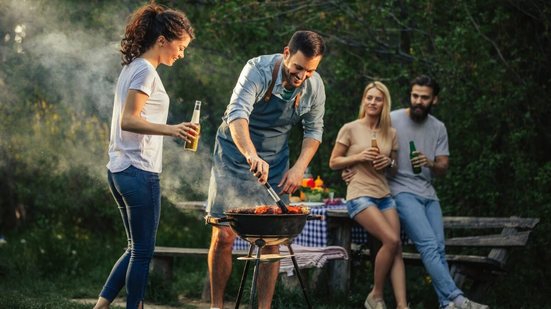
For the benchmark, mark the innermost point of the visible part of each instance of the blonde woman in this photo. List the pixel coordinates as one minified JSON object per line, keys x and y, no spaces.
{"x":368,"y":196}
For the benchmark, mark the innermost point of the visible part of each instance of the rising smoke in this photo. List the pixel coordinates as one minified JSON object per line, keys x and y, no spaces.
{"x":80,"y":65}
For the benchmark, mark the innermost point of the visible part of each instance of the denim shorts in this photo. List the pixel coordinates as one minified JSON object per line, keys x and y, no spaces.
{"x":355,"y":206}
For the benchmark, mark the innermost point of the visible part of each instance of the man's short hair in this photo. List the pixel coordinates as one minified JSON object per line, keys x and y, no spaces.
{"x":309,"y":43}
{"x":424,"y":80}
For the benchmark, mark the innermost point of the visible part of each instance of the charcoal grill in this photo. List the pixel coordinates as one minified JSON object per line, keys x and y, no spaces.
{"x":261,"y":230}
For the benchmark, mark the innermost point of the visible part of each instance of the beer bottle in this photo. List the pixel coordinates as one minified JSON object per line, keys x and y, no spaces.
{"x":413,"y":154}
{"x":192,"y":146}
{"x":374,"y":142}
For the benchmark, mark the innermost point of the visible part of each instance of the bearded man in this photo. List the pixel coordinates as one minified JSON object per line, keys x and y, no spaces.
{"x":416,"y":200}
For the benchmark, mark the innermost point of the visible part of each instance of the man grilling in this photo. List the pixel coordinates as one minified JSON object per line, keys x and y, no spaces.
{"x":273,"y":93}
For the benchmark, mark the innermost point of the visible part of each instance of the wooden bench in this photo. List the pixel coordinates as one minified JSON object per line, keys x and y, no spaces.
{"x":163,"y":261}
{"x":476,"y":254}
{"x":163,"y":258}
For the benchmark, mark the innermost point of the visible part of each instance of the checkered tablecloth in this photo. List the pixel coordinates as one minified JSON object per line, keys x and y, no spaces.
{"x":314,"y":233}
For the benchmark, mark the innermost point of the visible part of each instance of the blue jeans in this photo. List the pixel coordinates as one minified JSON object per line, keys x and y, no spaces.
{"x":138,"y":196}
{"x":421,"y":218}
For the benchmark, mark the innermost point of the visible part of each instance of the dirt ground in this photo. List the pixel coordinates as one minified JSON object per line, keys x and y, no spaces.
{"x":186,"y":303}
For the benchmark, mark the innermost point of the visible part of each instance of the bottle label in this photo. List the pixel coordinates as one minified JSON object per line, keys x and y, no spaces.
{"x":192,"y":146}
{"x":374,"y":144}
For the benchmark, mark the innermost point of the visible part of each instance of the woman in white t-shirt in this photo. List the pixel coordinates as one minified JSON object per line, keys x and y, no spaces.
{"x":369,"y":145}
{"x":154,"y":35}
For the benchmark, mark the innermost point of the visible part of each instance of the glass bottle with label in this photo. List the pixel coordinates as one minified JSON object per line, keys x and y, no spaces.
{"x":412,"y":154}
{"x":192,"y":146}
{"x":374,"y":143}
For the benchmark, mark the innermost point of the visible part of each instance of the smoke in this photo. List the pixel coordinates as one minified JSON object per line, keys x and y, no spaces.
{"x":185,"y":174}
{"x":81,"y":72}
{"x":79,"y":66}
{"x":81,"y":62}
{"x":68,"y":69}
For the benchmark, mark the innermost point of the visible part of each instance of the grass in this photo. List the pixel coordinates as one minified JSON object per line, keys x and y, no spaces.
{"x":25,"y":290}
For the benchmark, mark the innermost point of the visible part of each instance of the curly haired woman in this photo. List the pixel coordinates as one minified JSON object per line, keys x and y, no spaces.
{"x":154,"y":35}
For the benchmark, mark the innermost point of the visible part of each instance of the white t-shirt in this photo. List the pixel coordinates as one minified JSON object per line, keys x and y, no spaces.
{"x":430,"y":138}
{"x":139,"y":150}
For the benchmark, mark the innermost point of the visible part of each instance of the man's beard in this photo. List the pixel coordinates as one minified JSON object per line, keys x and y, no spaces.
{"x":419,"y":112}
{"x":288,"y":77}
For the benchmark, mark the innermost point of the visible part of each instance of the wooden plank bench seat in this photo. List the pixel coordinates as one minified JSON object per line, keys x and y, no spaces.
{"x":177,"y":251}
{"x":163,"y":261}
{"x":477,"y":248}
{"x":163,"y":258}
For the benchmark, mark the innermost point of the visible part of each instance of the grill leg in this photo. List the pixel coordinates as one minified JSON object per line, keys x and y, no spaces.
{"x":244,"y":277}
{"x":297,"y":271}
{"x":255,"y":277}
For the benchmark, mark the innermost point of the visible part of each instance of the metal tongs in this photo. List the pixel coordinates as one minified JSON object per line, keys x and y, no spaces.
{"x":275,"y":196}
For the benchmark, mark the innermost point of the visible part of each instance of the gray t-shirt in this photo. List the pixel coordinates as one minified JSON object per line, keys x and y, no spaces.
{"x":430,"y":138}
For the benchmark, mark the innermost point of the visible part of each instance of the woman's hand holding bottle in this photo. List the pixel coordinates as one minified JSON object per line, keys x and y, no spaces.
{"x":185,"y":131}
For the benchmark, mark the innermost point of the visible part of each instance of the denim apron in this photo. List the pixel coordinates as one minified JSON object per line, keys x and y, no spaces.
{"x":232,"y":184}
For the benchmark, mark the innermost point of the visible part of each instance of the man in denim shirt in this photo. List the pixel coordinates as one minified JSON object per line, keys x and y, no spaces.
{"x":273,"y":93}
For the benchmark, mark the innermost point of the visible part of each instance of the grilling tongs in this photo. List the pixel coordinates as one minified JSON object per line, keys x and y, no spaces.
{"x":275,"y":196}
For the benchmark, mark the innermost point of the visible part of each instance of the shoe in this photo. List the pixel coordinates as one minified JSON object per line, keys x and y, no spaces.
{"x":372,"y":303}
{"x":472,"y":305}
{"x":468,"y":304}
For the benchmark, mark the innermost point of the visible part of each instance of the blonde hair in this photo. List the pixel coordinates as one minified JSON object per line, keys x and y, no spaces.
{"x":384,"y":122}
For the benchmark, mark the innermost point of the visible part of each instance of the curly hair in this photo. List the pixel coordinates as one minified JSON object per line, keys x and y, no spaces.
{"x":149,"y":22}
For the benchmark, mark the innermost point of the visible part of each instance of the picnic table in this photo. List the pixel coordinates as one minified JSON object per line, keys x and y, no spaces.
{"x":481,"y":247}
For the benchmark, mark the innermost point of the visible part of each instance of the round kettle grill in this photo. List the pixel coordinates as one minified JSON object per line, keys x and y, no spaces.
{"x":274,"y":229}
{"x":261,"y":230}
